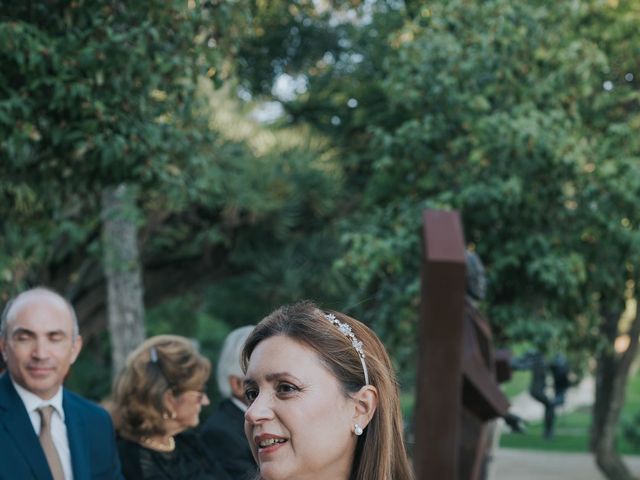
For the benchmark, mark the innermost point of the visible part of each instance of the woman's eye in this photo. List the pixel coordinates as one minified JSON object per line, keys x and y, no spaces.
{"x":250,"y":394}
{"x":287,"y":388}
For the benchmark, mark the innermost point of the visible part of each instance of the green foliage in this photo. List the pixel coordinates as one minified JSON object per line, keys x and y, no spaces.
{"x":520,"y":115}
{"x":91,"y":373}
{"x":284,"y":37}
{"x":501,"y":110}
{"x":95,"y":91}
{"x":630,"y":424}
{"x":95,"y":94}
{"x":632,"y":432}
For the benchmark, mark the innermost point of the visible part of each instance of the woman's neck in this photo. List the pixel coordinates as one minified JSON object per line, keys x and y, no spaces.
{"x":160,"y":443}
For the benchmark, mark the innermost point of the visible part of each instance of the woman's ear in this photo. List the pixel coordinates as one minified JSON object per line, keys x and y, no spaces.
{"x":366,"y":402}
{"x":170,"y":404}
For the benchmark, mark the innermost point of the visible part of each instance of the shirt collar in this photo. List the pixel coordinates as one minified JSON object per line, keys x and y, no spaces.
{"x":32,"y":401}
{"x":239,"y":404}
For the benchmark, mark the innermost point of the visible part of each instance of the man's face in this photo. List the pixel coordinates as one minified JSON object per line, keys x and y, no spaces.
{"x":39,"y":347}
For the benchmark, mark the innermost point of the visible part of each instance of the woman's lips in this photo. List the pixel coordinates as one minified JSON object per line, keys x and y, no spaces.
{"x":268,"y":443}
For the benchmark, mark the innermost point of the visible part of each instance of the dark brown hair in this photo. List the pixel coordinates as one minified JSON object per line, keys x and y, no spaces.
{"x":380,"y":452}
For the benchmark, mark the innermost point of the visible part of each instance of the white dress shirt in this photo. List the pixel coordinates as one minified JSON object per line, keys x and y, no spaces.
{"x":239,"y":404}
{"x":58,"y":428}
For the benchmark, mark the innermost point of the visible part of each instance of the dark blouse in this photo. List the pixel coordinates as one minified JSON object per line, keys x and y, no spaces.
{"x":188,"y":461}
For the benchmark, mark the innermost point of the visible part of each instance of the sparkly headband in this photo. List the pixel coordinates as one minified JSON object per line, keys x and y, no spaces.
{"x":357,"y":344}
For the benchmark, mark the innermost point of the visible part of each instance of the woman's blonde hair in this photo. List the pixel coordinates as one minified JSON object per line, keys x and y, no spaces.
{"x":160,"y":364}
{"x":380,"y":451}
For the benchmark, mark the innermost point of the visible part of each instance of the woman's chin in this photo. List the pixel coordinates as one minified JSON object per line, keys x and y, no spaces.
{"x":269,"y":471}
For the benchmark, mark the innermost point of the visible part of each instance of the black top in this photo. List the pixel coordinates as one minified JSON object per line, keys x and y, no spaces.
{"x":187,"y":461}
{"x":223,"y":436}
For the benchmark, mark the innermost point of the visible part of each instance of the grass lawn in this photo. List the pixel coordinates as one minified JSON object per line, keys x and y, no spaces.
{"x":572,"y":429}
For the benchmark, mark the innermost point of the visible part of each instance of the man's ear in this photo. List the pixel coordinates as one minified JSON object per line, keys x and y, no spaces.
{"x":366,"y":402}
{"x":237,"y":387}
{"x":76,"y":346}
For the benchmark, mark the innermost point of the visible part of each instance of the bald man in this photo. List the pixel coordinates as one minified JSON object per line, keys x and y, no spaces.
{"x":74,"y":439}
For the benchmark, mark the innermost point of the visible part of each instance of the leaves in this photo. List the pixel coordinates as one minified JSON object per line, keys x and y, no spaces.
{"x":496,"y":109}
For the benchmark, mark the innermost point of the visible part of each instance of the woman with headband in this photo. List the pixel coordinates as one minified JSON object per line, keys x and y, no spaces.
{"x":323,"y":399}
{"x":157,"y":398}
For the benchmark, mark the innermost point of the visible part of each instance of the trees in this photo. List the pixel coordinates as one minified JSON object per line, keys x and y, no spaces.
{"x":99,"y":96}
{"x":96,"y":97}
{"x":121,"y":261}
{"x":521,"y":116}
{"x":613,"y":227}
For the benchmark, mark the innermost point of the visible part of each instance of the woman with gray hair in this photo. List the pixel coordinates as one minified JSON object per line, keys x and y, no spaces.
{"x":223,"y":432}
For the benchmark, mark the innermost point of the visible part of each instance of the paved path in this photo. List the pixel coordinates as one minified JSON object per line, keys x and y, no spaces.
{"x":512,"y":464}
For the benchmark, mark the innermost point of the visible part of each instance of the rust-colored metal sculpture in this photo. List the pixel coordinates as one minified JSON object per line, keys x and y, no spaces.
{"x":439,"y":382}
{"x":457,"y":390}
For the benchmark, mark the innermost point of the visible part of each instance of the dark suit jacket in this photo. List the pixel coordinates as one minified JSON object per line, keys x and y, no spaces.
{"x":89,"y":429}
{"x":223,"y":435}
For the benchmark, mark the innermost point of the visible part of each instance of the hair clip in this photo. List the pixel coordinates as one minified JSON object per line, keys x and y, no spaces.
{"x":357,"y":344}
{"x":153,"y":353}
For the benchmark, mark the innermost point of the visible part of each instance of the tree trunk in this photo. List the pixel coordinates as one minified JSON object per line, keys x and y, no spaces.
{"x":125,"y":307}
{"x":611,"y":382}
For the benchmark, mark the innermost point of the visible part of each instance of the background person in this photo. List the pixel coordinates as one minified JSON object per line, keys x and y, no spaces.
{"x":45,"y":430}
{"x":157,"y":396}
{"x":323,"y":399}
{"x":559,"y":370}
{"x":223,"y":432}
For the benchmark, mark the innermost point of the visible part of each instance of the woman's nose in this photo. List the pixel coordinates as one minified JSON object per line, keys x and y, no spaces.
{"x":259,"y":410}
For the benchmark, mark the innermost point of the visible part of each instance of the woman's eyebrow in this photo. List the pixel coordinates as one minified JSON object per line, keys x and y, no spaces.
{"x":279,"y":375}
{"x":270,"y":377}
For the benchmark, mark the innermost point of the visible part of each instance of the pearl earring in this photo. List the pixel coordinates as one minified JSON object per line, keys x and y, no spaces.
{"x":357,"y":429}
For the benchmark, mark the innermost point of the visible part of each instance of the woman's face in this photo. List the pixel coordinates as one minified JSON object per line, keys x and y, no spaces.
{"x":187,"y":406}
{"x":299,"y":422}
